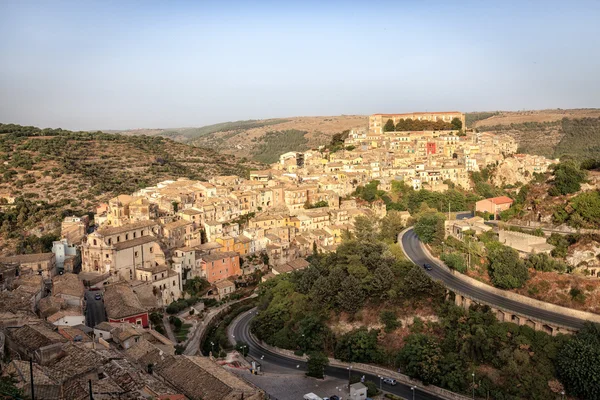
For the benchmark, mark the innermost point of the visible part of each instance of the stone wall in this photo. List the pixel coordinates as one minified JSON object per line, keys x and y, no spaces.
{"x":583,"y":315}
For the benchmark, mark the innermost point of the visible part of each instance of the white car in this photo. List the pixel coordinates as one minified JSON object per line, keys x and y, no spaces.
{"x":390,"y":381}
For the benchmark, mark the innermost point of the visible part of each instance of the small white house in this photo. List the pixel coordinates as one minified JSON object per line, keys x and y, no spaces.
{"x":68,"y":317}
{"x":358,"y":391}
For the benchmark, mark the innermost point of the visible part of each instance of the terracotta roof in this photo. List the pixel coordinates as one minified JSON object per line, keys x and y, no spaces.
{"x":135,"y":242}
{"x":32,"y":337}
{"x":501,"y":200}
{"x":219,"y":255}
{"x":299,"y":263}
{"x":177,"y":224}
{"x":113,"y":230}
{"x":28,"y":258}
{"x":201,"y":379}
{"x":67,"y":284}
{"x":120,"y":302}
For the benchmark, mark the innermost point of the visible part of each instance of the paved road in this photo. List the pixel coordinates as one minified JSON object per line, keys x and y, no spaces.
{"x":95,"y":312}
{"x":411,"y":245}
{"x":274,"y":363}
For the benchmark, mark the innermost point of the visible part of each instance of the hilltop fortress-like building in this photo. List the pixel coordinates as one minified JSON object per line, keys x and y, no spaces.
{"x":377,"y":121}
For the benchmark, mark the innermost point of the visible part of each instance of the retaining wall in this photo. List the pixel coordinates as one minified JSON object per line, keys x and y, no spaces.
{"x":583,"y":315}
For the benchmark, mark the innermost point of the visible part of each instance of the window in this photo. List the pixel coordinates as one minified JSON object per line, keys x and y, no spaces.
{"x":141,"y":233}
{"x":95,"y":242}
{"x":151,"y":249}
{"x":173,"y":283}
{"x":134,"y":235}
{"x":163,"y":275}
{"x":109,"y":240}
{"x":118,"y":239}
{"x":107,"y":256}
{"x":136,"y":254}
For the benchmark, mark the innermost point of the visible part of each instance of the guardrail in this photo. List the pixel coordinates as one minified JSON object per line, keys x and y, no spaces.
{"x":370,"y":369}
{"x":564,"y":311}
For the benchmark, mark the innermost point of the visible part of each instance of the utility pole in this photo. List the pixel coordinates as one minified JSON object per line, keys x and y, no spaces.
{"x":31,"y":378}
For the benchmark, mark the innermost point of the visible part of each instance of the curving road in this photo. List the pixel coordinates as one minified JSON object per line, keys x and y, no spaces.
{"x":240,"y":331}
{"x":412,"y":247}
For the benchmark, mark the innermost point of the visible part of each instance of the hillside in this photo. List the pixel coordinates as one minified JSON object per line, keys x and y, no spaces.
{"x":76,"y":170}
{"x":262,"y":140}
{"x":539,"y":131}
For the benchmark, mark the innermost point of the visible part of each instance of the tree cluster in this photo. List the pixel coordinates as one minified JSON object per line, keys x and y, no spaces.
{"x":409,"y":124}
{"x":567,"y":178}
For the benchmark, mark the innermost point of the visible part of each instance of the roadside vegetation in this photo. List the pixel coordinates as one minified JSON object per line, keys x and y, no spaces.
{"x":296,"y":312}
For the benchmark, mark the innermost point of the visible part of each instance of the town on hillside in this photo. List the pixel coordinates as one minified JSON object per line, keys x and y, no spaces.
{"x":94,"y":304}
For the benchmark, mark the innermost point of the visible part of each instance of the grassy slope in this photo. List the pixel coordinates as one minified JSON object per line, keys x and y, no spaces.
{"x":86,"y":168}
{"x":537,"y":132}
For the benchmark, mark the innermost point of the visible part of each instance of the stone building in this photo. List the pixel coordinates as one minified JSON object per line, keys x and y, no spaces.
{"x":43,"y":264}
{"x":377,"y":121}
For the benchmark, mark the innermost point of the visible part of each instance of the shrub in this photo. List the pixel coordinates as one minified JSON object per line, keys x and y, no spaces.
{"x":454,"y":261}
{"x":388,"y":318}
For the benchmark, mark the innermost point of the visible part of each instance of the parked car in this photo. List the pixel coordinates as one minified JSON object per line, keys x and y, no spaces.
{"x":390,"y":381}
{"x":428,"y":267}
{"x":98,"y":296}
{"x":334,"y":397}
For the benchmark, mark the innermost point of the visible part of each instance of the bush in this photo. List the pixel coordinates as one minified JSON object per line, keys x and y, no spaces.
{"x":454,"y":261}
{"x":388,"y":318}
{"x":371,"y":388}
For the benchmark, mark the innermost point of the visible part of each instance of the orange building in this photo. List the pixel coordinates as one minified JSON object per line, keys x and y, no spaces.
{"x":220,"y":265}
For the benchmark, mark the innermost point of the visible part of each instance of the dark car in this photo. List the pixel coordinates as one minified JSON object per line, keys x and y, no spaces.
{"x":334,"y":397}
{"x":98,"y":296}
{"x":428,"y":267}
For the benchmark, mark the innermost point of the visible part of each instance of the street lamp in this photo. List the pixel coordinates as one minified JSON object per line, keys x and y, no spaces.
{"x":473,"y":375}
{"x":413,"y":389}
{"x":349,"y":368}
{"x":562,"y":395}
{"x":380,"y":379}
{"x":213,"y":347}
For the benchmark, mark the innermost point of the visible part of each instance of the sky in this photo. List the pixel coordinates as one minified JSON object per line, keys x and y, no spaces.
{"x":86,"y":65}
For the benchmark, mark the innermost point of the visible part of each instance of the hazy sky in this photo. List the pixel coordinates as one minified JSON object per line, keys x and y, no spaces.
{"x":116,"y":65}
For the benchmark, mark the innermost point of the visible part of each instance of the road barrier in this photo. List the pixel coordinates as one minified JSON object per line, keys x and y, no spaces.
{"x":568,"y":312}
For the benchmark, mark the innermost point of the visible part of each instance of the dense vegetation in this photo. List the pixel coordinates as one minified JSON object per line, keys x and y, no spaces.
{"x":275,"y":143}
{"x":408,"y":199}
{"x":582,"y":211}
{"x":567,"y":178}
{"x":422,"y":125}
{"x":194,"y":133}
{"x":509,"y":361}
{"x":581,"y":139}
{"x":473,"y":117}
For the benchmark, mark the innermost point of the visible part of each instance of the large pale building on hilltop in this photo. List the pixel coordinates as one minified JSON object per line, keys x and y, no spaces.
{"x":377,"y":121}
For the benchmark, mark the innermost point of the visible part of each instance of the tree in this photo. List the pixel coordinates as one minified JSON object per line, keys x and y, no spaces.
{"x":316,"y":363}
{"x":389,"y":126}
{"x":389,"y":319}
{"x":578,"y":363}
{"x":420,"y":358}
{"x":454,"y":261}
{"x":430,"y":227}
{"x":351,"y":295}
{"x":359,"y":345}
{"x":567,"y":179}
{"x":365,"y":229}
{"x":391,"y":226}
{"x":456,"y":124}
{"x":507,"y":270}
